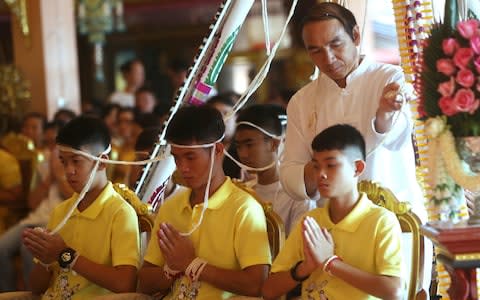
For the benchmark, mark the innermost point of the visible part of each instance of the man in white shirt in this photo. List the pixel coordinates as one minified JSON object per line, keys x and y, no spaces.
{"x":354,"y":90}
{"x":133,"y":73}
{"x":257,"y":139}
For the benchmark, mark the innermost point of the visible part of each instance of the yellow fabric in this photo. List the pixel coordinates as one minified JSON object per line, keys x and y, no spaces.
{"x":10,"y":175}
{"x":232,"y":235}
{"x":106,"y":233}
{"x":368,"y":238}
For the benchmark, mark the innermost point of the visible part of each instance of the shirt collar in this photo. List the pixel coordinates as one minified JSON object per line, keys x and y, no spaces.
{"x":353,"y":220}
{"x":94,"y":209}
{"x":216,"y":200}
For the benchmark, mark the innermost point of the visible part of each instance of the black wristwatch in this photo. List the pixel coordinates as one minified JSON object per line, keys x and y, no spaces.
{"x":66,"y":257}
{"x":293,"y":273}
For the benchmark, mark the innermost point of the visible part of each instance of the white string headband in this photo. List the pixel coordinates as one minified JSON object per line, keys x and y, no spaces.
{"x":210,"y":172}
{"x":87,"y":186}
{"x":267,"y":133}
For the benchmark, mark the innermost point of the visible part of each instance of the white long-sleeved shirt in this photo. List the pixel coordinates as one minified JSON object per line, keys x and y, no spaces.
{"x":322,"y":103}
{"x":289,"y":210}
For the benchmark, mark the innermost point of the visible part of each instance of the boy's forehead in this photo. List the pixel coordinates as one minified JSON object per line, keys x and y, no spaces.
{"x":328,"y":154}
{"x":247,"y":132}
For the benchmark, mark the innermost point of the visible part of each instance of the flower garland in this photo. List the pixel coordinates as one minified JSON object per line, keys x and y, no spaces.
{"x":453,"y":164}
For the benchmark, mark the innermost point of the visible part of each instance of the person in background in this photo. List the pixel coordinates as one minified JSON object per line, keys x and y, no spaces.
{"x":145,"y":100}
{"x":33,"y":125}
{"x":280,"y":97}
{"x":64,"y":115}
{"x":257,"y":140}
{"x":133,"y":73}
{"x":128,"y":131}
{"x":41,"y":200}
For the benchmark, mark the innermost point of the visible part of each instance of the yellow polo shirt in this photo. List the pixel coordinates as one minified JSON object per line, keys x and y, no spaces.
{"x":10,"y":175}
{"x":105,"y":233}
{"x":233,"y":235}
{"x":368,"y":238}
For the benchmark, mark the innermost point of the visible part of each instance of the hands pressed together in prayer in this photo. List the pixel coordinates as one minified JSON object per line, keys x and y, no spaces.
{"x":177,"y":249}
{"x":318,"y":246}
{"x":44,"y":246}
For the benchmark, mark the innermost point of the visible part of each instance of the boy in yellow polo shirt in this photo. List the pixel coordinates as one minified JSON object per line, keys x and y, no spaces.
{"x":96,"y":251}
{"x":348,"y":249}
{"x":209,"y":241}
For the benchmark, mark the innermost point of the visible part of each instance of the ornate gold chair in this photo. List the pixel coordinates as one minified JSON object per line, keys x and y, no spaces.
{"x":146,"y":217}
{"x":410,"y":223}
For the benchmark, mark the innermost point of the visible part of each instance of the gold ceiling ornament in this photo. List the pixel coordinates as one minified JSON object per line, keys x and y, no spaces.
{"x":14,"y":94}
{"x":19,"y":10}
{"x":96,"y":18}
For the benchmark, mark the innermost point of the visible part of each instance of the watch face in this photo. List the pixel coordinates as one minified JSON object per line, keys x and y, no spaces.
{"x":66,"y":256}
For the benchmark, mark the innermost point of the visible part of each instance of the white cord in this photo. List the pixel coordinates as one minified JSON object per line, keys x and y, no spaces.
{"x":261,"y":75}
{"x":266,"y":26}
{"x":210,"y":172}
{"x":365,"y":13}
{"x":110,"y":161}
{"x":85,"y":189}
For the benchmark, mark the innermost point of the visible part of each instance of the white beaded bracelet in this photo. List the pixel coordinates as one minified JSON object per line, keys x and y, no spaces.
{"x":170,"y":273}
{"x":195,"y":268}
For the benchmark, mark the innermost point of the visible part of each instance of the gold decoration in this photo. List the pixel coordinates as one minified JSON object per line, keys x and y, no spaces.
{"x":14,"y":93}
{"x":19,"y":9}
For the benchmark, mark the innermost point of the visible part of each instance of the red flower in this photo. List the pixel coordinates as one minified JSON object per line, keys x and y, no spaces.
{"x":462,"y":57}
{"x":465,"y":78}
{"x":467,"y":28}
{"x":446,"y":66}
{"x":475,"y":44}
{"x":447,"y":88}
{"x":447,"y":106}
{"x":449,"y":46}
{"x":465,"y":101}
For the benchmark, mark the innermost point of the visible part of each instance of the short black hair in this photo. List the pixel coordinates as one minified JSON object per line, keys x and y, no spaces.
{"x":69,"y":114}
{"x":147,"y":138}
{"x":178,"y":64}
{"x":340,"y":137}
{"x":145,"y":89}
{"x":126,"y":67}
{"x":35,"y":115}
{"x":331,"y":10}
{"x":228,"y":99}
{"x":266,"y":116}
{"x":107,"y":109}
{"x":85,"y":131}
{"x":192,"y":124}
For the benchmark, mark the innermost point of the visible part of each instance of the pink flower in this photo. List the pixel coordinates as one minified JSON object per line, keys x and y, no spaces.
{"x":447,"y":88}
{"x":464,"y":101}
{"x":475,"y":44}
{"x":449,"y":46}
{"x":478,"y":84}
{"x":476,"y":63}
{"x":462,"y":57}
{"x":465,"y":78}
{"x":467,"y":28}
{"x":446,"y":66}
{"x":447,"y":106}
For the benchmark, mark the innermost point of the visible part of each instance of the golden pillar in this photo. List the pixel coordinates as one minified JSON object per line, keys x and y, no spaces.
{"x":45,"y":50}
